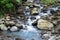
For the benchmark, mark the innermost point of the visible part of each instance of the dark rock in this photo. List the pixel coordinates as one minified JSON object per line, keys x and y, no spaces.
{"x":19,"y":39}
{"x":53,"y":12}
{"x":34,"y":24}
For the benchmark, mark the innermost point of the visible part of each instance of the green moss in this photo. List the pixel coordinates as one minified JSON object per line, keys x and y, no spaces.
{"x":8,"y":5}
{"x":48,"y":2}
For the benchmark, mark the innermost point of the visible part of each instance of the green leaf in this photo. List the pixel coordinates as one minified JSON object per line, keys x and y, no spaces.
{"x":4,"y":1}
{"x":9,"y":5}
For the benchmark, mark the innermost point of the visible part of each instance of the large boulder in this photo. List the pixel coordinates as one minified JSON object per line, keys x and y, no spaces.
{"x":44,"y":24}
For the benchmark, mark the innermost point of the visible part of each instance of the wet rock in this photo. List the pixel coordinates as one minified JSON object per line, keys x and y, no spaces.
{"x":34,"y":11}
{"x":44,"y":24}
{"x":33,"y":18}
{"x":3,"y":27}
{"x":13,"y":28}
{"x":34,"y":23}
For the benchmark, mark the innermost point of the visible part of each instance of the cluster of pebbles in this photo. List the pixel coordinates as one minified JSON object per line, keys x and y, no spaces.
{"x":8,"y":24}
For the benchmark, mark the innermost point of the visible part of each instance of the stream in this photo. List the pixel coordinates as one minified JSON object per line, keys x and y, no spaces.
{"x":30,"y":32}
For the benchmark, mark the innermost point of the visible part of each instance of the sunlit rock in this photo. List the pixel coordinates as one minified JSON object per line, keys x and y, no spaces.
{"x":7,"y":17}
{"x":44,"y":24}
{"x":3,"y":27}
{"x":34,"y":11}
{"x":14,"y":28}
{"x":10,"y":23}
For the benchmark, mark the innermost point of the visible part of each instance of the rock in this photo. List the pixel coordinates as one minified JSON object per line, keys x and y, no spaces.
{"x":52,"y":37}
{"x":47,"y":35}
{"x":19,"y":26}
{"x":34,"y":23}
{"x":7,"y":17}
{"x":54,"y":21}
{"x":57,"y":28}
{"x":14,"y":28}
{"x":58,"y":37}
{"x":10,"y":23}
{"x":30,"y":0}
{"x":44,"y":24}
{"x":3,"y":27}
{"x":34,"y":11}
{"x":2,"y":20}
{"x":27,"y":3}
{"x":53,"y":12}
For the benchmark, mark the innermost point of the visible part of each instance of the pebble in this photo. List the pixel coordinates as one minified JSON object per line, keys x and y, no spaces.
{"x":14,"y":28}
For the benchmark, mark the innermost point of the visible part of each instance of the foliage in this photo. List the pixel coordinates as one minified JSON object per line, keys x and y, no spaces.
{"x":7,"y":5}
{"x":1,"y":14}
{"x":48,"y":2}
